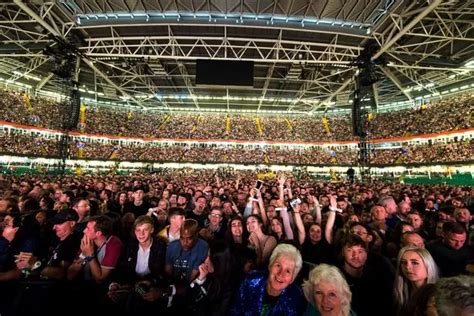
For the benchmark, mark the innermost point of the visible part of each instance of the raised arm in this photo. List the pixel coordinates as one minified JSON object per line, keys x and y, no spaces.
{"x":281,"y":187}
{"x":299,"y":224}
{"x":237,"y":183}
{"x":317,"y":210}
{"x":329,"y":230}
{"x":286,"y":222}
{"x":263,"y":213}
{"x":218,"y":181}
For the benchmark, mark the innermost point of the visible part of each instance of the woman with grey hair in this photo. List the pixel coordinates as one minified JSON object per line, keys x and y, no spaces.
{"x":327,"y":292}
{"x":273,"y":293}
{"x":415,"y":268}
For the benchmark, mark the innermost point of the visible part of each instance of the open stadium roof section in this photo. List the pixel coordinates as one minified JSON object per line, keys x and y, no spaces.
{"x":143,"y":53}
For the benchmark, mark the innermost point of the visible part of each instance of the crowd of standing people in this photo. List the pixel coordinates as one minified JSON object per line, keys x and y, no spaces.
{"x":234,"y":243}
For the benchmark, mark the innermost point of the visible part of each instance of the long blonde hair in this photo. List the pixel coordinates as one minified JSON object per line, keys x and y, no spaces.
{"x":402,"y":285}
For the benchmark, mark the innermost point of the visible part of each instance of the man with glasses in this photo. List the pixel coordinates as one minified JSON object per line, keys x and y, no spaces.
{"x":215,"y":228}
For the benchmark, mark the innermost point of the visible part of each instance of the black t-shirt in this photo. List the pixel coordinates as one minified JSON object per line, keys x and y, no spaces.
{"x":65,"y":250}
{"x":372,"y":293}
{"x":141,"y":209}
{"x":268,"y":304}
{"x":450,"y":261}
{"x":201,"y":219}
{"x":322,"y":252}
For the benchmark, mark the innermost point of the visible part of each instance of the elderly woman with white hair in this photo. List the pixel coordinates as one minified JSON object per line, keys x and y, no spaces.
{"x":327,"y":292}
{"x":273,"y":293}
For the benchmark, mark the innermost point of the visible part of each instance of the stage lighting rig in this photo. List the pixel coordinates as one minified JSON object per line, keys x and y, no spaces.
{"x":368,"y":67}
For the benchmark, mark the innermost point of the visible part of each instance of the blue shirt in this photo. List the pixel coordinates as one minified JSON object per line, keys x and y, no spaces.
{"x":184,"y":262}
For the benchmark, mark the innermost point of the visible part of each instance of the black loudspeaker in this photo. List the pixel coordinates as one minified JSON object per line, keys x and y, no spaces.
{"x":224,"y":73}
{"x":357,"y":124}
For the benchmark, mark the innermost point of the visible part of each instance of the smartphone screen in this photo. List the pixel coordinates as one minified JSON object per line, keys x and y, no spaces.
{"x":258,"y":184}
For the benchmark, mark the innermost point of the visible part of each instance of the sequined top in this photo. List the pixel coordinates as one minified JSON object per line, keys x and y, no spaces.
{"x":249,"y":301}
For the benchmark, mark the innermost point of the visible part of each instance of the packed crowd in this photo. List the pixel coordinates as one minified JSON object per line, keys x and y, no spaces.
{"x":448,"y":114}
{"x":438,"y":152}
{"x":37,"y":146}
{"x":234,"y":243}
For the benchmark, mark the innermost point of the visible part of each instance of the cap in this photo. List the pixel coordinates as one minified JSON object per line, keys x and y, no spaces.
{"x":64,"y":216}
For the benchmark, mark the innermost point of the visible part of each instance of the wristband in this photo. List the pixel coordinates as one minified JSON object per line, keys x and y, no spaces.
{"x":335,"y":209}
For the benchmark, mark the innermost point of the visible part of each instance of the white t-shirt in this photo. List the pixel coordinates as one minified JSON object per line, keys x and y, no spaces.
{"x":142,"y":261}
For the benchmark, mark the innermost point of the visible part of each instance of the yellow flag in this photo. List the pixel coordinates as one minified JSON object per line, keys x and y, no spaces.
{"x":44,"y":151}
{"x":113,"y":154}
{"x":288,"y":123}
{"x":259,"y":125}
{"x":265,"y":158}
{"x":167,"y":118}
{"x":130,"y":115}
{"x":326,"y":124}
{"x":82,"y":117}
{"x":26,"y":100}
{"x":80,"y":153}
{"x":227,"y":124}
{"x":370,"y":117}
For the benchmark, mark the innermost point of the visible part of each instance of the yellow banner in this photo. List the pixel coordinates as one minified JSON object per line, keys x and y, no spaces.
{"x":259,"y":125}
{"x":167,"y":118}
{"x":44,"y":150}
{"x":266,"y":175}
{"x":227,"y":124}
{"x":26,"y":100}
{"x":82,"y":118}
{"x":78,"y":171}
{"x":113,"y":154}
{"x":288,"y":123}
{"x":370,"y":117}
{"x":326,"y":124}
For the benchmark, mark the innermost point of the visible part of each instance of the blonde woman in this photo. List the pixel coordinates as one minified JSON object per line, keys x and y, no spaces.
{"x":327,"y":292}
{"x":415,"y":268}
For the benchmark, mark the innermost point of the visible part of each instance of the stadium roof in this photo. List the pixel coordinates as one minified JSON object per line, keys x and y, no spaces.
{"x":144,"y":52}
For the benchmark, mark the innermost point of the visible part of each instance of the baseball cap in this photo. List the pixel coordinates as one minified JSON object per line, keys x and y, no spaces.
{"x":64,"y":216}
